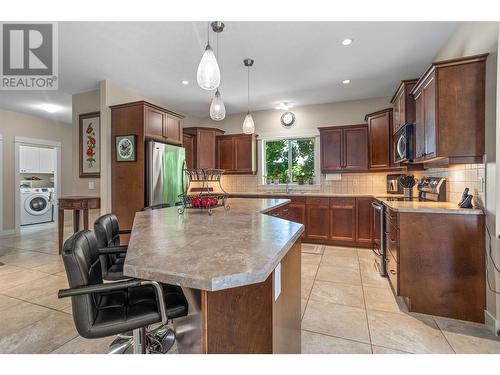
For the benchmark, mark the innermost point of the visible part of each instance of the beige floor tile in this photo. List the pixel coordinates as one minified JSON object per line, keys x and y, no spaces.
{"x":19,"y":316}
{"x":52,"y":268}
{"x":6,"y":250}
{"x":339,"y":274}
{"x":340,"y":261}
{"x":380,"y":299}
{"x":370,"y":276}
{"x":6,"y":269}
{"x":414,"y":333}
{"x":28,"y":259}
{"x":312,"y":248}
{"x":382,"y":350}
{"x":340,"y":251}
{"x":19,"y":277}
{"x":336,"y":320}
{"x":8,"y":302}
{"x":43,"y":336}
{"x":308,"y":258}
{"x":308,"y":275}
{"x":468,"y":337}
{"x":365,"y":255}
{"x":303,"y":304}
{"x":343,"y":294}
{"x":51,"y":300}
{"x":80,"y":345}
{"x":48,"y":285}
{"x":314,"y":343}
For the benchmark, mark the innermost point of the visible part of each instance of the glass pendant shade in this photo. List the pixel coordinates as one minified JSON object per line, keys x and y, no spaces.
{"x":217,"y":108}
{"x":248,"y":125}
{"x":208,"y":74}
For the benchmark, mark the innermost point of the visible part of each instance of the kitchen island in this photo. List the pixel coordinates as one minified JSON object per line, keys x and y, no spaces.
{"x":239,"y":269}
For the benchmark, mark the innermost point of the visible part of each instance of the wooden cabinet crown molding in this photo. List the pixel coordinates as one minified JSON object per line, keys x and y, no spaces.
{"x":381,"y":112}
{"x":402,"y":86}
{"x":145,"y":103}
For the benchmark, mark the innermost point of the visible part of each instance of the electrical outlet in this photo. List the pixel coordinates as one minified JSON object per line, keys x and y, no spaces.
{"x":91,"y":185}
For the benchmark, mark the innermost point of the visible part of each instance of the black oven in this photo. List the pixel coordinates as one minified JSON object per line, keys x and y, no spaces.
{"x":379,"y":247}
{"x":404,"y":144}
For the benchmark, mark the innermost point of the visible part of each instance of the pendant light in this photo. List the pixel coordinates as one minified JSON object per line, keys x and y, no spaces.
{"x":248,"y":124}
{"x":208,"y":74}
{"x":217,"y":107}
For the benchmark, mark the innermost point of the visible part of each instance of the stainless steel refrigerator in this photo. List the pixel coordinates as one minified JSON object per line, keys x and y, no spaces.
{"x":164,"y":172}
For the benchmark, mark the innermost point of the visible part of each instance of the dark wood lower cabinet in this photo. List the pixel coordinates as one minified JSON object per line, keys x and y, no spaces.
{"x":343,"y":219}
{"x":364,"y":220}
{"x":317,"y":218}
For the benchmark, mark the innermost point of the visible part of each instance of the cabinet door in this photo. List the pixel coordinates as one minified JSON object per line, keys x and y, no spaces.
{"x":343,"y":219}
{"x":225,"y":153}
{"x":47,"y":158}
{"x":356,"y":149}
{"x":205,"y":149}
{"x":29,"y":161}
{"x":317,"y":221}
{"x":419,"y":125}
{"x":379,"y":134}
{"x":244,"y":153}
{"x":331,"y":150}
{"x":154,"y":122}
{"x":297,"y":213}
{"x":429,"y":92}
{"x":173,"y":128}
{"x":187,"y":143}
{"x":364,"y":225}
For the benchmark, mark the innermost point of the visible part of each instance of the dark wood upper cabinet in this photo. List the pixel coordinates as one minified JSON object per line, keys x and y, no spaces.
{"x":173,"y":128}
{"x":380,"y":139}
{"x":343,"y":219}
{"x":203,"y":146}
{"x":237,"y":153}
{"x":450,"y":111}
{"x":145,"y":121}
{"x":344,"y":148}
{"x":403,"y":104}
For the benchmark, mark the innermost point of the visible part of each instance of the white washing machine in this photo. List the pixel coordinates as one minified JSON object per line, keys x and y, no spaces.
{"x":36,"y":205}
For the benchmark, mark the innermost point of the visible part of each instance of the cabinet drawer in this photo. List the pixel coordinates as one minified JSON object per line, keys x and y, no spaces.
{"x":391,"y":240}
{"x":392,"y":272}
{"x":318,"y":201}
{"x":342,"y":202}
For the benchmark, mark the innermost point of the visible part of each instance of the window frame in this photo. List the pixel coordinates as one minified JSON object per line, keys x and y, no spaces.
{"x":289,"y":139}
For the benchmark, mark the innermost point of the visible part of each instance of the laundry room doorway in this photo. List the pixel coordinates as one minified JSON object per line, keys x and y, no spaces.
{"x":37,"y":184}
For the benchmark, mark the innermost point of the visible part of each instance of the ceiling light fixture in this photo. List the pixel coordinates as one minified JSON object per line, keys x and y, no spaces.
{"x":208,"y":74}
{"x":284,"y":106}
{"x":346,"y":81}
{"x":51,"y":108}
{"x":248,"y":124}
{"x":347,"y":42}
{"x":185,"y":82}
{"x":217,"y":107}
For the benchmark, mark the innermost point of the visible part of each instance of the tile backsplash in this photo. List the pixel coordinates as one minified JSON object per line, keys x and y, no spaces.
{"x":458,"y":177}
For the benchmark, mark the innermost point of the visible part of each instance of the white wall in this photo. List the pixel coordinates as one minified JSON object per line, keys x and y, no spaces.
{"x":473,"y":38}
{"x":308,"y":118}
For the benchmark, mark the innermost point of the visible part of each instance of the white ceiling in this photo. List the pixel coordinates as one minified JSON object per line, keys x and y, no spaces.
{"x":299,"y":62}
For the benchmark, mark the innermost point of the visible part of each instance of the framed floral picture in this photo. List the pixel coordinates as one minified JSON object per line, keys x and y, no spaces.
{"x":125,"y":148}
{"x":90,"y":145}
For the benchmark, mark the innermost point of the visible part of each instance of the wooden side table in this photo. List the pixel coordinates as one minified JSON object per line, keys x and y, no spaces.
{"x":76,"y":204}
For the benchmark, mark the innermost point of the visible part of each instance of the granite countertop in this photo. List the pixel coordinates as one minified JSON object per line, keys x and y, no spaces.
{"x":297,"y":194}
{"x":232,"y":248}
{"x":429,"y":207}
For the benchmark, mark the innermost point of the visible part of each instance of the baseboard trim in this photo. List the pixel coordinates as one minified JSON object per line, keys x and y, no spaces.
{"x":7,"y":232}
{"x":492,"y":323}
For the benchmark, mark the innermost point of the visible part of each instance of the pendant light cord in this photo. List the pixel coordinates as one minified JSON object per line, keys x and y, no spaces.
{"x":208,"y":33}
{"x":248,"y":89}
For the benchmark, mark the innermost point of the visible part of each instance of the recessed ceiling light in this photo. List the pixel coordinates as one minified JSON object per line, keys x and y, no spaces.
{"x":185,"y":82}
{"x":346,"y":81}
{"x":347,"y":42}
{"x":51,"y":108}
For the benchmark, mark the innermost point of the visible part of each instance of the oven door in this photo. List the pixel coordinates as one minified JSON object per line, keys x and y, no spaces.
{"x":379,"y":239}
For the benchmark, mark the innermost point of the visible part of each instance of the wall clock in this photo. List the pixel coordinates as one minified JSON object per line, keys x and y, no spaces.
{"x":287,"y":119}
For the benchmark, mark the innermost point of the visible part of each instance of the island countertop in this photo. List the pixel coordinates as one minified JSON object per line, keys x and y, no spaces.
{"x":231,"y":248}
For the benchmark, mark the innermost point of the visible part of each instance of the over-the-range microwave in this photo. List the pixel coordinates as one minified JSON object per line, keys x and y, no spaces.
{"x":404,"y":144}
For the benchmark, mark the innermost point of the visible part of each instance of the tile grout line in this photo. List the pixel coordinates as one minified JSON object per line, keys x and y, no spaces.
{"x":314,"y":280}
{"x":441,"y":331}
{"x":339,"y":337}
{"x":364,"y":303}
{"x":34,"y":303}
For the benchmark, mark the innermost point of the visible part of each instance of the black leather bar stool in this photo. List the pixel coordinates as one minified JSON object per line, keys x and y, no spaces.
{"x":101,"y":310}
{"x":113,"y":254}
{"x":157,"y":206}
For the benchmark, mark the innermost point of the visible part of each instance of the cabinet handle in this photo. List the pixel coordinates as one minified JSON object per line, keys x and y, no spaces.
{"x":392,"y":272}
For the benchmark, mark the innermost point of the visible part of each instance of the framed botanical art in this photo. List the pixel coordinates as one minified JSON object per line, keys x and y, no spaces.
{"x":90,"y":145}
{"x":125,"y":147}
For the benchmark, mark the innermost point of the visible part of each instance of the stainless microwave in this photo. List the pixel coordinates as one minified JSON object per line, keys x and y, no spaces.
{"x":404,"y":144}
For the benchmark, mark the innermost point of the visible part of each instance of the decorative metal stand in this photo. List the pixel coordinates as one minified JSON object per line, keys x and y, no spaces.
{"x":205,"y":198}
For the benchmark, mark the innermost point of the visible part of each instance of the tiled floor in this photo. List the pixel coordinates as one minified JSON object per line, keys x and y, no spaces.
{"x":347,"y":307}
